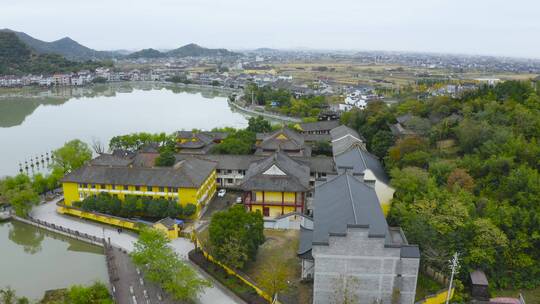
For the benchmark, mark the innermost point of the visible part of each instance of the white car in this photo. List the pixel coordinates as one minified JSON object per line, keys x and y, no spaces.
{"x":239,"y":200}
{"x":221,"y":193}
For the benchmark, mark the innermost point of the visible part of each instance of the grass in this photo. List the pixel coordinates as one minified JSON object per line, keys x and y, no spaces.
{"x":426,"y":286}
{"x":282,"y":245}
{"x":530,"y":295}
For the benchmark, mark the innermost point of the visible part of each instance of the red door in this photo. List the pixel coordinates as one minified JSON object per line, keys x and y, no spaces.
{"x":266,"y":211}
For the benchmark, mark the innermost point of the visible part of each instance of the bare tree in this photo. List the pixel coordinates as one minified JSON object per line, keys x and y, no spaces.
{"x":97,"y":146}
{"x":345,"y":287}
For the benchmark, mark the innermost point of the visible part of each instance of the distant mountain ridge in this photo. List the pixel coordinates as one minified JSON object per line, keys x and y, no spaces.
{"x":72,"y":50}
{"x":17,"y":57}
{"x":66,"y":47}
{"x":188,"y":50}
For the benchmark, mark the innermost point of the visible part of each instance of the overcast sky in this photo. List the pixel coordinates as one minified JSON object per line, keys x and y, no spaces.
{"x":492,"y":27}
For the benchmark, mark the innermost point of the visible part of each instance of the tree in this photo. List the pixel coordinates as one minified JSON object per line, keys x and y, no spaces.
{"x":345,"y":288}
{"x":166,"y":158}
{"x":238,"y":229}
{"x":239,"y":142}
{"x":8,"y":296}
{"x":73,"y":155}
{"x":259,"y":125}
{"x":95,"y":293}
{"x":381,"y":142}
{"x":19,"y":192}
{"x":273,"y":279}
{"x":161,"y":265}
{"x":459,"y":178}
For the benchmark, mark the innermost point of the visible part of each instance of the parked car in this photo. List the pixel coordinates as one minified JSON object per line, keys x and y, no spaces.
{"x":239,"y":200}
{"x":221,"y":193}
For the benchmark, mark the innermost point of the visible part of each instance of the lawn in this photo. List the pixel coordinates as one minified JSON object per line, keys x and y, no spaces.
{"x":283,"y":245}
{"x":530,"y":295}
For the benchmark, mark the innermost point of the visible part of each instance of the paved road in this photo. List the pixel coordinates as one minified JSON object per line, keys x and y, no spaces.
{"x":125,"y":240}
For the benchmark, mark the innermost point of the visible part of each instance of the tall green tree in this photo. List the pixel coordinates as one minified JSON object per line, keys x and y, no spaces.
{"x":162,"y":265}
{"x":236,"y":231}
{"x":73,"y":155}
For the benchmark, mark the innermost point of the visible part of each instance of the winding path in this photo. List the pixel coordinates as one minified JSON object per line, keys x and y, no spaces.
{"x":125,"y":240}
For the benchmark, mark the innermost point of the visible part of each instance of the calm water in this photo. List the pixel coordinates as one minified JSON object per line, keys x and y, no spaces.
{"x":33,"y":122}
{"x":33,"y":260}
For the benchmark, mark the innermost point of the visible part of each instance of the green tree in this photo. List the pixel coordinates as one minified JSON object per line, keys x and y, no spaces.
{"x":259,"y":125}
{"x":73,"y":155}
{"x":97,"y":293}
{"x":161,"y":265}
{"x":166,"y":158}
{"x":19,"y":192}
{"x":239,"y":229}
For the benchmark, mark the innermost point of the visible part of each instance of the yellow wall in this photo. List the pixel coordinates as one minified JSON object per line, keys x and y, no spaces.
{"x":171,"y":234}
{"x":275,"y":197}
{"x":198,"y":197}
{"x":118,"y":222}
{"x":439,"y":298}
{"x":71,"y":193}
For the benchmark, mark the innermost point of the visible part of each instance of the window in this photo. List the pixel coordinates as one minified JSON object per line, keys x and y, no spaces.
{"x":229,"y":180}
{"x":137,"y":188}
{"x":266,"y":211}
{"x":85,"y":185}
{"x":229,"y":171}
{"x":174,"y":189}
{"x":161,"y":189}
{"x":218,"y":180}
{"x":148,"y":188}
{"x":93,"y":186}
{"x":113,"y":187}
{"x":126,"y":187}
{"x":243,"y":172}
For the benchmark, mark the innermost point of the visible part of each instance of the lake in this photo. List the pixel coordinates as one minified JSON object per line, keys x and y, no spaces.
{"x":34,"y":121}
{"x":34,"y":260}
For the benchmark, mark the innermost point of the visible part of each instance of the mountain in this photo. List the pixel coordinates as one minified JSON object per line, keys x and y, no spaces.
{"x":194,"y":50}
{"x":16,"y":58}
{"x":146,"y":53}
{"x":66,"y":47}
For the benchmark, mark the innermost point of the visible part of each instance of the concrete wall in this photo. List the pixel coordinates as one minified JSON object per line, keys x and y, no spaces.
{"x":366,"y":259}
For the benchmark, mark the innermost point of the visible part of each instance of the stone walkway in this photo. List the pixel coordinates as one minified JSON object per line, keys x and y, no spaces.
{"x":125,"y":240}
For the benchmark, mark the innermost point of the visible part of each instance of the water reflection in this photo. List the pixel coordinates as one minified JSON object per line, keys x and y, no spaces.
{"x":33,"y":260}
{"x":16,"y":105}
{"x":26,"y":236}
{"x":35,"y":121}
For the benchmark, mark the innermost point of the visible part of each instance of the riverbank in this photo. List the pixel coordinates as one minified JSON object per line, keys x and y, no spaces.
{"x":270,"y":116}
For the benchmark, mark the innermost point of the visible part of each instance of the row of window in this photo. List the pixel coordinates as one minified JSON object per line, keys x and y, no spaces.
{"x":125,"y":187}
{"x":83,"y":195}
{"x":223,"y":171}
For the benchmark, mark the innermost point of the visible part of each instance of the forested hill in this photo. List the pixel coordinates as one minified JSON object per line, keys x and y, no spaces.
{"x":194,"y":50}
{"x":66,"y":47}
{"x":18,"y":58}
{"x":469,"y":180}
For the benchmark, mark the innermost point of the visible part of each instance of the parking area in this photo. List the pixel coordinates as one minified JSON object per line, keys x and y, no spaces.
{"x":220,"y":203}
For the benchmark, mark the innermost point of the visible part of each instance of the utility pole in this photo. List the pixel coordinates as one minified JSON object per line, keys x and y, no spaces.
{"x":454,"y":266}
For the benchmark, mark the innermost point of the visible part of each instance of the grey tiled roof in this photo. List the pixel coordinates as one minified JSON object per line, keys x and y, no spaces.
{"x":226,"y":161}
{"x":346,"y":201}
{"x":294,"y":141}
{"x":344,"y":144}
{"x":316,"y":137}
{"x":189,"y":173}
{"x":296,"y":178}
{"x":319,"y":125}
{"x":167,"y":222}
{"x":343,"y":130}
{"x":111,"y":160}
{"x":361,"y":160}
{"x":306,"y":241}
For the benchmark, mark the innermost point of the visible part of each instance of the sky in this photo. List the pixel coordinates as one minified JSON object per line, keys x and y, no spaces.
{"x":486,"y":27}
